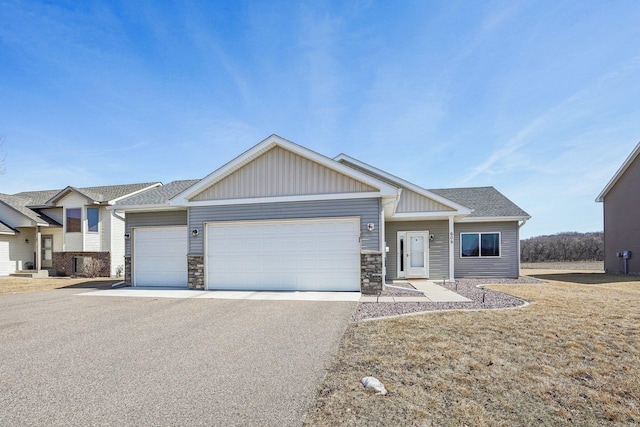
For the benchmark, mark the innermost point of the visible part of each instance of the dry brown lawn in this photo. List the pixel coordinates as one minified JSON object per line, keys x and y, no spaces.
{"x":572,"y":357}
{"x":12,"y":285}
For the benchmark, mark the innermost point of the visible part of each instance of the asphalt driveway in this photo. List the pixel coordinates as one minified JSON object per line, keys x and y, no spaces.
{"x":81,"y":361}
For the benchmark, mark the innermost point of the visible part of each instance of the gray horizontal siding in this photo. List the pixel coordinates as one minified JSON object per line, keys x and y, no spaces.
{"x":367,"y":209}
{"x":507,"y":265}
{"x":438,"y":247}
{"x":152,"y":219}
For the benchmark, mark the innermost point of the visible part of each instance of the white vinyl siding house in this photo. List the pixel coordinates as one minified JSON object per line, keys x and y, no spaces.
{"x":68,"y":227}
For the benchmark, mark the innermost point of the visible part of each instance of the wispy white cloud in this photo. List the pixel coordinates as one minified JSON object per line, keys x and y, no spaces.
{"x":577,"y":106}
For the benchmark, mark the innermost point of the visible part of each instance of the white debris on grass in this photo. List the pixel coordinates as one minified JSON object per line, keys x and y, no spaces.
{"x":373,"y":384}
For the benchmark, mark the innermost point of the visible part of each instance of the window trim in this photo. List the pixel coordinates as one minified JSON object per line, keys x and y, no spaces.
{"x":97,"y":230}
{"x":479,"y":234}
{"x":66,"y":220}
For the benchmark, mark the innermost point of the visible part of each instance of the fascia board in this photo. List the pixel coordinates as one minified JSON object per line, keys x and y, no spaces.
{"x":462,"y":210}
{"x":494,"y":219}
{"x":145,"y":208}
{"x":619,"y":173}
{"x":417,"y":216}
{"x":261,"y":200}
{"x":265,"y":145}
{"x":157,"y":184}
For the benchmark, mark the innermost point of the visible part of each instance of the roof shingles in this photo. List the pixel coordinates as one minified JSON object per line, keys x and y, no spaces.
{"x":158,"y":195}
{"x":485,"y":202}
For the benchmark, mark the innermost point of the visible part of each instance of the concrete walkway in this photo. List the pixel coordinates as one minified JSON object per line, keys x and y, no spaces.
{"x":430,"y":293}
{"x":427,"y":291}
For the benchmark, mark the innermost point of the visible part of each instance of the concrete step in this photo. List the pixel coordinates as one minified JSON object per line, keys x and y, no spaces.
{"x":33,"y":274}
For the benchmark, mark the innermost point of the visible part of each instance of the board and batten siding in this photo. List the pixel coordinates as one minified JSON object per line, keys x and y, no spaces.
{"x":506,"y":265}
{"x":368,"y":210}
{"x":151,"y":219}
{"x":438,"y":247}
{"x":410,"y":201}
{"x":279,"y":172}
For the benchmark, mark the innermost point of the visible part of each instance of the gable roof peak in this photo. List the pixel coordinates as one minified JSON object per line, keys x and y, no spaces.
{"x":266,"y":145}
{"x":612,"y":182}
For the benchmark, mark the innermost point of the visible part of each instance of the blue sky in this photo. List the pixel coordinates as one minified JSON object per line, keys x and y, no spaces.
{"x":540,"y":99}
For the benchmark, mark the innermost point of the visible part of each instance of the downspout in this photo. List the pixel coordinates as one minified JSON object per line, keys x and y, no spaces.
{"x":524,"y":221}
{"x":114,"y":213}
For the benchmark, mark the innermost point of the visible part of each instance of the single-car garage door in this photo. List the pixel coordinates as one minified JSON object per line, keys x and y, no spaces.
{"x":310,"y":255}
{"x":160,"y":256}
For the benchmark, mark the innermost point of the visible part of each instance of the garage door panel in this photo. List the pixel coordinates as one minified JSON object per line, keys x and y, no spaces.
{"x":284,"y":255}
{"x":160,"y":256}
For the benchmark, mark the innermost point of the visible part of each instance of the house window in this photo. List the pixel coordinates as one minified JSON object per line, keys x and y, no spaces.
{"x":92,"y":219}
{"x":79,"y":263}
{"x":74,"y":220}
{"x":479,"y":245}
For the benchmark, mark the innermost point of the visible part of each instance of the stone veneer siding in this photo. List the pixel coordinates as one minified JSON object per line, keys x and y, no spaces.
{"x":62,"y":262}
{"x":196,"y":271}
{"x":127,"y":270}
{"x":370,"y":272}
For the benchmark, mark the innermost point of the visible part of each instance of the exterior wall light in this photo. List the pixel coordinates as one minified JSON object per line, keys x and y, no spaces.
{"x":371,"y":226}
{"x":194,"y":232}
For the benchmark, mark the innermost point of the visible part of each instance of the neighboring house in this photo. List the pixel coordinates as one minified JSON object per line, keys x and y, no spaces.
{"x":621,"y":205}
{"x":282,"y":217}
{"x":59,"y":231}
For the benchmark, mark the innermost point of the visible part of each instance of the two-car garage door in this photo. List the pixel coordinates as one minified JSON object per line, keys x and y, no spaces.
{"x":310,"y":255}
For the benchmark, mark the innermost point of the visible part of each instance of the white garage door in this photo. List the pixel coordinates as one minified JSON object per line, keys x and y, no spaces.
{"x":311,"y":255}
{"x":160,"y":256}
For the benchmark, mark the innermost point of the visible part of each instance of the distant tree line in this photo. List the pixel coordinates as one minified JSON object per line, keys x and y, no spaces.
{"x":563,"y":247}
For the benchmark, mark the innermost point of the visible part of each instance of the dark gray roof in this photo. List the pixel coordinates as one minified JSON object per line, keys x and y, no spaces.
{"x":98,"y":194}
{"x":484,"y":201}
{"x":19,"y":204}
{"x":158,"y":195}
{"x":4,"y":228}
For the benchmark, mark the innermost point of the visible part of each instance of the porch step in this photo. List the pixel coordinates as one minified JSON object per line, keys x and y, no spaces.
{"x":33,"y":274}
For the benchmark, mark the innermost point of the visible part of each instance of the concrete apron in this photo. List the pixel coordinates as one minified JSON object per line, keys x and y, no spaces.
{"x":242,"y":295}
{"x":430,"y":293}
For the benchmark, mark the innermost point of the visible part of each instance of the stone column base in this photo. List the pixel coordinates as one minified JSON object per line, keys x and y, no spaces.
{"x":370,"y":272}
{"x":196,"y":271}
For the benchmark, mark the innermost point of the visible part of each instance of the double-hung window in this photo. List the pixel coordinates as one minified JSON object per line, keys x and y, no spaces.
{"x":93,"y":218}
{"x":479,"y":245}
{"x":74,"y":220}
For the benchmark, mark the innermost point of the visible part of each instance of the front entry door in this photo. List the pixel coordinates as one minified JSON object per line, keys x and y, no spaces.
{"x":47,"y":251}
{"x":417,"y":254}
{"x":413,"y":254}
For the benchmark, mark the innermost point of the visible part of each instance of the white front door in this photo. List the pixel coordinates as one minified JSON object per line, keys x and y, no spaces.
{"x":47,"y":251}
{"x":413,"y":254}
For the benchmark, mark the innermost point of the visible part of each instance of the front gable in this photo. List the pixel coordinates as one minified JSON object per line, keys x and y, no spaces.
{"x":277,"y":170}
{"x":70,"y":196}
{"x":278,"y":173}
{"x":411,"y":202}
